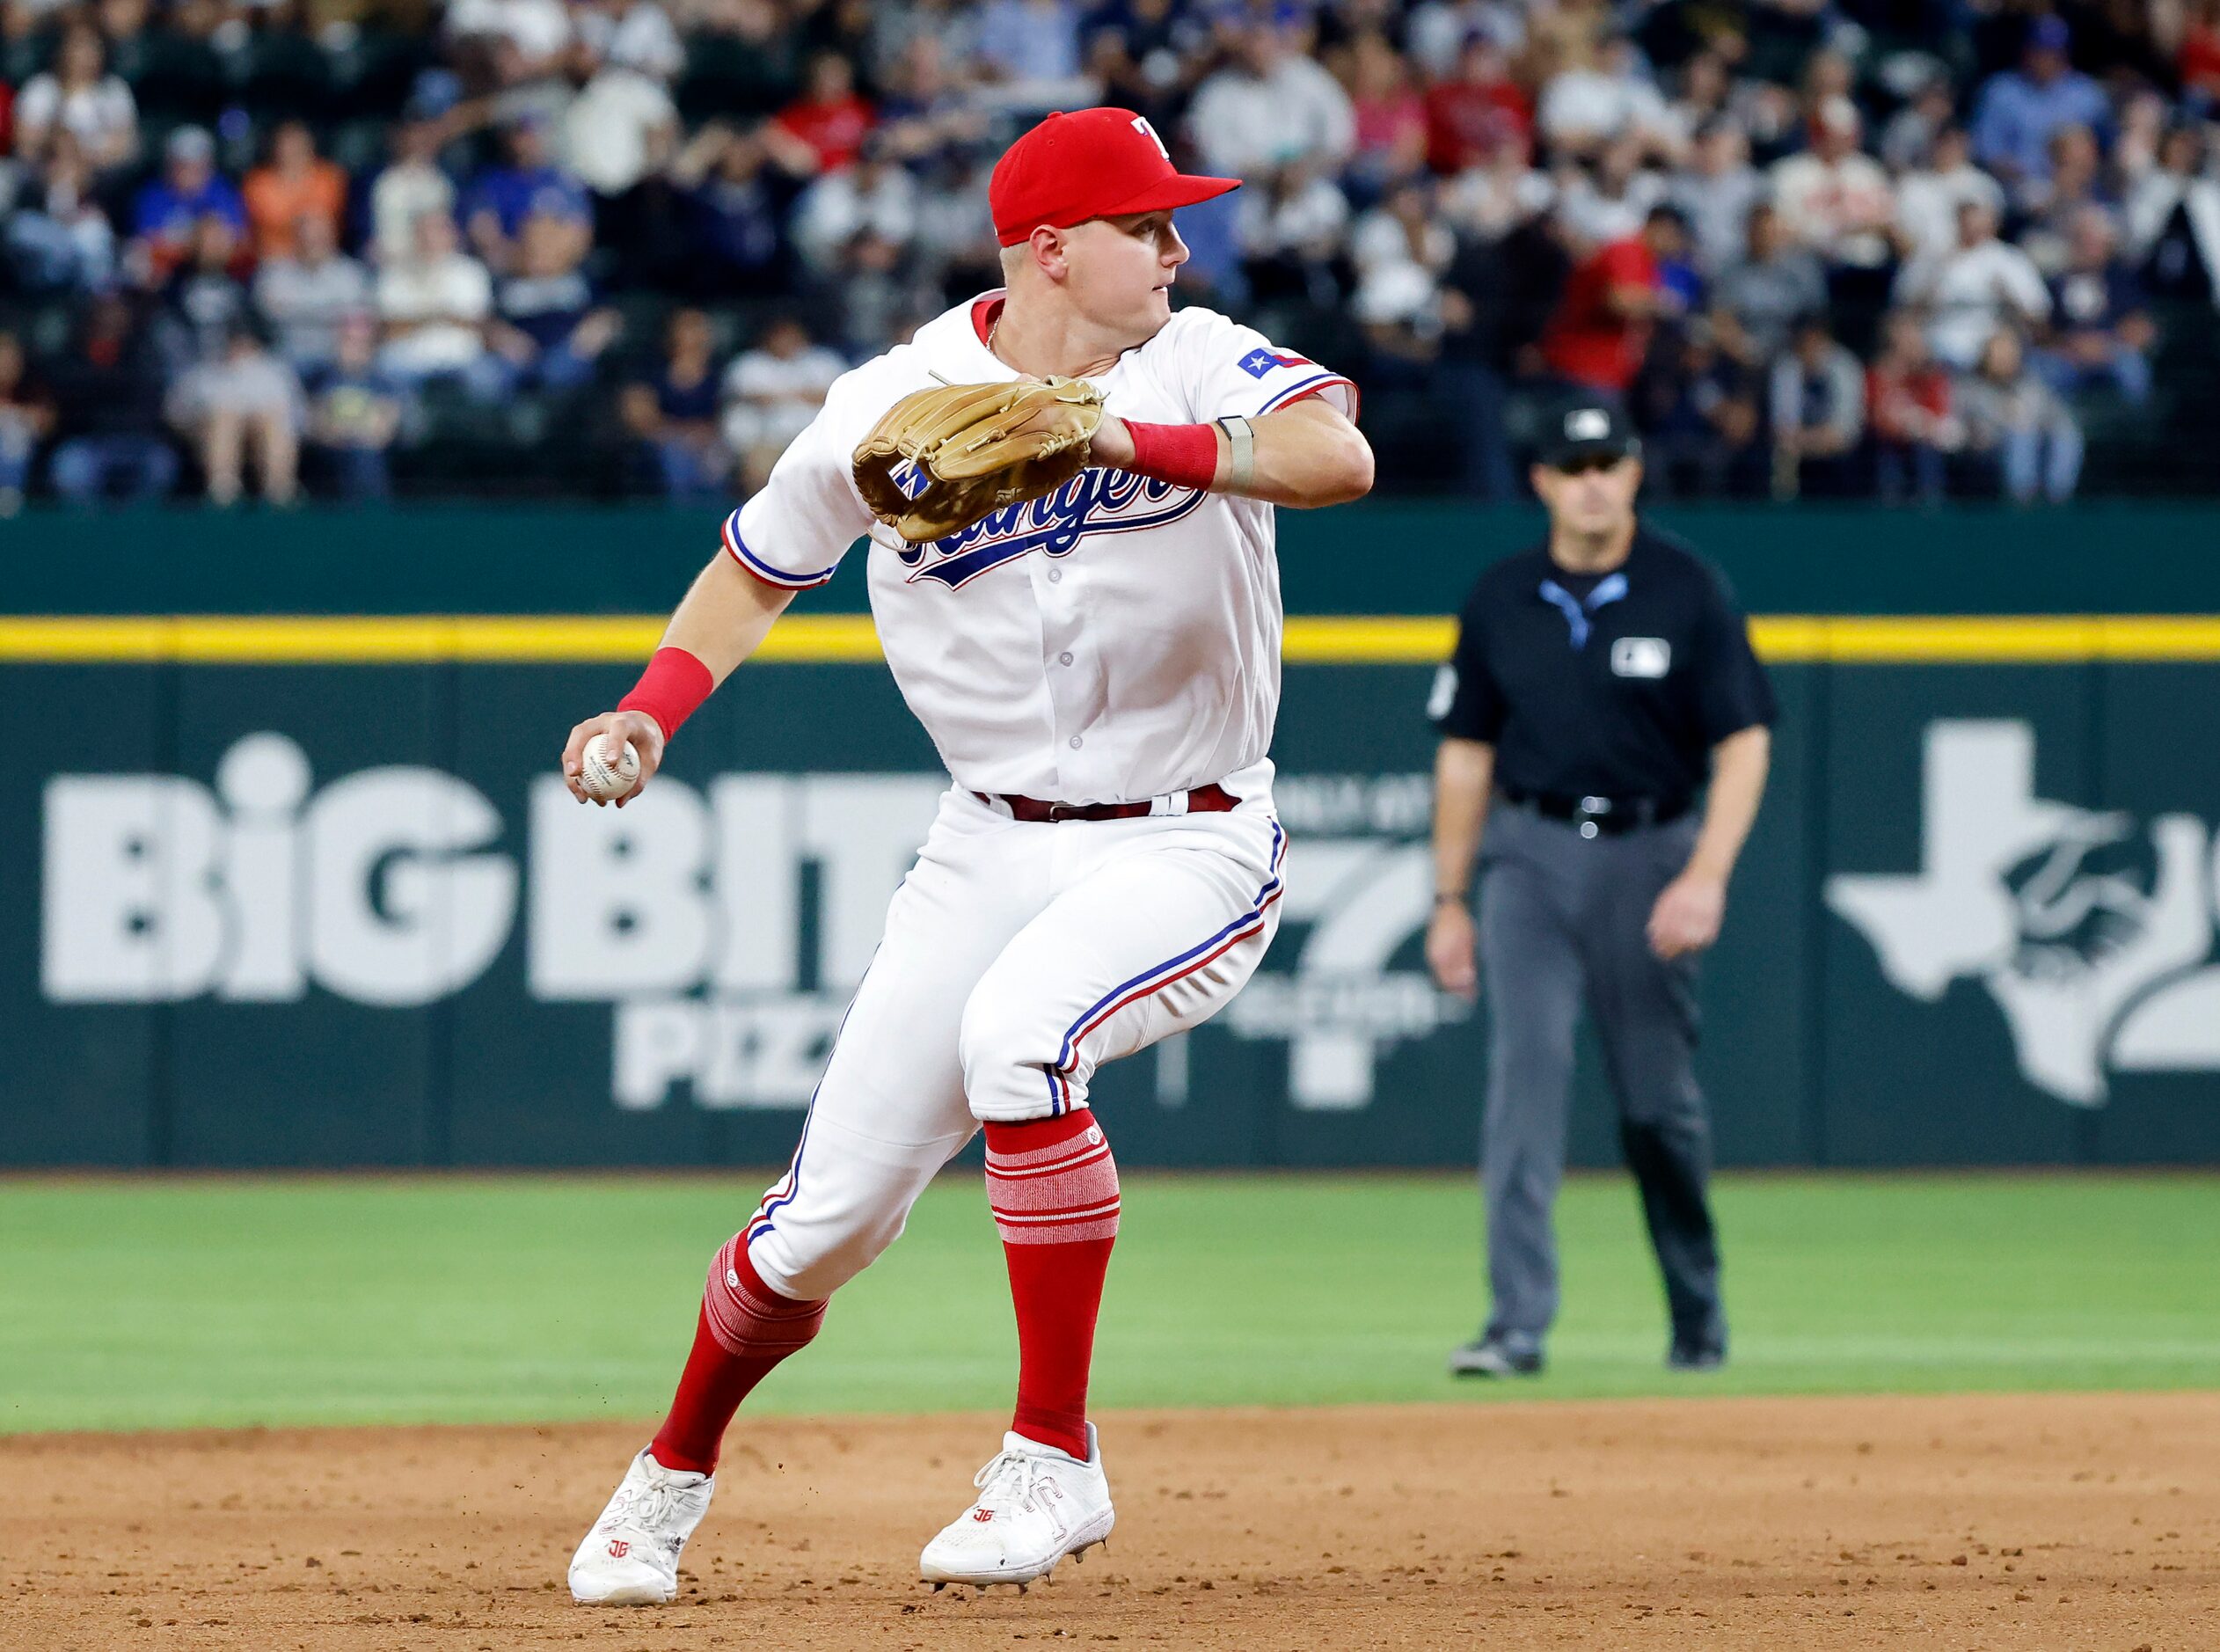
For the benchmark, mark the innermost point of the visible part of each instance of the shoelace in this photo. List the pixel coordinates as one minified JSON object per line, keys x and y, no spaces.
{"x":646,"y":1505}
{"x":1009,"y":1478}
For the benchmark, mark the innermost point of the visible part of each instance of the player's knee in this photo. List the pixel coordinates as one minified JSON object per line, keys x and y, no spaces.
{"x":1006,"y":1058}
{"x":809,"y":1262}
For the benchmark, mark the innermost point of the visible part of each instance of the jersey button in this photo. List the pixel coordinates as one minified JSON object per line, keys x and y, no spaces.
{"x":1055,"y":576}
{"x":1076,"y":743}
{"x":1063,"y":658}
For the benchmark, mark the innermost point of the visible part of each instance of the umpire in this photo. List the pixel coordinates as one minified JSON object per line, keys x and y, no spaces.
{"x":1600,"y":681}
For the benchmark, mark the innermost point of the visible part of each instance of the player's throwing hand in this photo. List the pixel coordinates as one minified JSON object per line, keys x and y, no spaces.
{"x":646,"y":737}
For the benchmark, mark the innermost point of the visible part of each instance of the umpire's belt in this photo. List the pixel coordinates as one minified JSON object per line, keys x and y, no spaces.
{"x":1600,"y":816}
{"x":1203,"y":800}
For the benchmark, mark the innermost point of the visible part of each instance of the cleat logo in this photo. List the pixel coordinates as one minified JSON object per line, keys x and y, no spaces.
{"x":982,"y":1514}
{"x":618,"y":1548}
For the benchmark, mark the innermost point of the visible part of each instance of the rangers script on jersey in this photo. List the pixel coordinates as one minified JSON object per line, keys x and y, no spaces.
{"x":1115,"y":641}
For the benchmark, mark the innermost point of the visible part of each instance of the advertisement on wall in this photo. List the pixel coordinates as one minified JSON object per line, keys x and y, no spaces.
{"x":325,"y":914}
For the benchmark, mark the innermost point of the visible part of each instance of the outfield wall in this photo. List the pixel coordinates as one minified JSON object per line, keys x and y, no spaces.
{"x":304,"y":891}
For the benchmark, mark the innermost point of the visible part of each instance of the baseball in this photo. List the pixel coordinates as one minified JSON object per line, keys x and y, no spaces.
{"x":601,"y":775}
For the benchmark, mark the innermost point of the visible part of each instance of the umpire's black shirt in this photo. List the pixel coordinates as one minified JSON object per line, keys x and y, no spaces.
{"x":1614,"y":686}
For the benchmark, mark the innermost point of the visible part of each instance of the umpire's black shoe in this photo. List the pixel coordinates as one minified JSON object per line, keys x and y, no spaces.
{"x":1695,"y":1355}
{"x":1498,"y":1354}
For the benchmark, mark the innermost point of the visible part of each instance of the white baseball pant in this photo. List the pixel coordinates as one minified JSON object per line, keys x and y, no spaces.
{"x":1017,"y":958}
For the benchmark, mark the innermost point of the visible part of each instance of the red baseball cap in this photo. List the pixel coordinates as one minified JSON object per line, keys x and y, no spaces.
{"x":1090,"y":163}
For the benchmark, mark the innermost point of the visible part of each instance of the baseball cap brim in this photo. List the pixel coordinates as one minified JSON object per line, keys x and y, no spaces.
{"x":1181,"y":189}
{"x":1625,"y":447}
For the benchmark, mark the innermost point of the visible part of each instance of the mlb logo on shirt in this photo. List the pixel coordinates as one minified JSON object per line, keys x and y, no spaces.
{"x":1258,"y":363}
{"x":1641,"y":656}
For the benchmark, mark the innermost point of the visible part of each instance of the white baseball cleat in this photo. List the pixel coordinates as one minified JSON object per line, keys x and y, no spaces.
{"x":1036,"y":1505}
{"x":630,"y":1556}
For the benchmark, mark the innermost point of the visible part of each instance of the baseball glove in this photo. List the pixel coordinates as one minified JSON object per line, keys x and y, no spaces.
{"x":974,"y":448}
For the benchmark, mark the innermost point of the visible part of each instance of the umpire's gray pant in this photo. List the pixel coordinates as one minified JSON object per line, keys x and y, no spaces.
{"x":1563,"y":918}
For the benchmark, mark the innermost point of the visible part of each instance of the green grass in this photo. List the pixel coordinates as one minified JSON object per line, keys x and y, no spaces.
{"x":169,"y":1303}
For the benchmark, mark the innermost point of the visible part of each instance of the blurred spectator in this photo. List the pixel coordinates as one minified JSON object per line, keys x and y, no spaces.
{"x":355,"y":413}
{"x":2020,"y":108}
{"x":872,"y":195}
{"x":2173,"y":221}
{"x":108,"y":390}
{"x":1402,"y":231}
{"x":2016,"y":422}
{"x":304,"y":298}
{"x":1758,"y":300}
{"x":733,"y":195}
{"x":1831,"y":197}
{"x":170,"y":209}
{"x":1438,"y":31}
{"x":1269,"y":104}
{"x":1398,"y":305}
{"x":1032,"y":48}
{"x":547,"y":328}
{"x":295,"y":184}
{"x":1612,"y":299}
{"x":1912,"y":132}
{"x":1388,"y":115}
{"x":622,"y":126}
{"x":2077,"y":184}
{"x":1908,"y":404}
{"x":883,"y":294}
{"x":830,"y":118}
{"x":1928,"y":197}
{"x":1982,"y":284}
{"x":2197,"y":58}
{"x":672,"y":412}
{"x":246,"y":402}
{"x":204,"y":301}
{"x":1608,"y":200}
{"x":1698,"y":406}
{"x":506,"y":42}
{"x":26,"y":418}
{"x":928,"y":115}
{"x":58,"y":238}
{"x":408,"y":189}
{"x":435,"y":304}
{"x":1488,"y":202}
{"x":1817,"y":403}
{"x":1716,"y":191}
{"x":2102,"y":333}
{"x":79,"y":96}
{"x":1293,"y":223}
{"x":633,"y":35}
{"x":1473,"y":115}
{"x":530,"y":184}
{"x":1604,"y":97}
{"x":772,"y":391}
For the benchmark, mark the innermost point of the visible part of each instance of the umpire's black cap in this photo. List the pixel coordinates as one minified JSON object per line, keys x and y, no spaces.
{"x":1589,"y":428}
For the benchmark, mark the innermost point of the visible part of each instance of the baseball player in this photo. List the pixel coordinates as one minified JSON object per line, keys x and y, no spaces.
{"x":1099,"y":667}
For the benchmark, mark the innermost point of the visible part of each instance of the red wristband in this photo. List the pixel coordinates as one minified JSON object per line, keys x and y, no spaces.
{"x":670,"y":690}
{"x":1184,"y":455}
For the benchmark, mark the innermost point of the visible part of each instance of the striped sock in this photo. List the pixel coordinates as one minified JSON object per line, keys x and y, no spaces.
{"x":1054,"y":1189}
{"x":744,"y":1329}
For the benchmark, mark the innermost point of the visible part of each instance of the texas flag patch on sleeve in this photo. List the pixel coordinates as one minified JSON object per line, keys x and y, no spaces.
{"x":1258,"y":363}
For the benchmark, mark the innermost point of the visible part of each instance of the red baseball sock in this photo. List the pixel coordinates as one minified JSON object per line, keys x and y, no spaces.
{"x":1054,"y":1189}
{"x":745,"y":1328}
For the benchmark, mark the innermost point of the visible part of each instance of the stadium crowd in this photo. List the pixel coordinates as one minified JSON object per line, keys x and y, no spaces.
{"x":1845,"y":248}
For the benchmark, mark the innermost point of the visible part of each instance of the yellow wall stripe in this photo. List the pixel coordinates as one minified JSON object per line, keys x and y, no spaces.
{"x":1311,"y":639}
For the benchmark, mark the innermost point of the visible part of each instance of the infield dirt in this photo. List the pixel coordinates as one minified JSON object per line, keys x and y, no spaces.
{"x":1981,"y":1522}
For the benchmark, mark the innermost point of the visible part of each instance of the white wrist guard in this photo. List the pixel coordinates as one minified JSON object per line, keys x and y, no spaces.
{"x":1241,"y":461}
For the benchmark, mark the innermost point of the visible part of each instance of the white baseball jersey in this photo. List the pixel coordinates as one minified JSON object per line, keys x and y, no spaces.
{"x":1116,"y":640}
